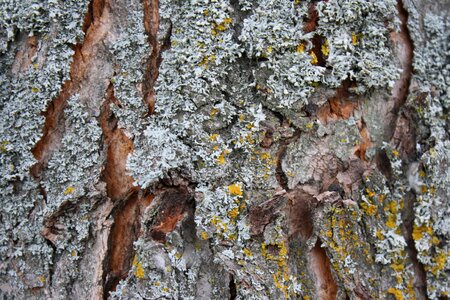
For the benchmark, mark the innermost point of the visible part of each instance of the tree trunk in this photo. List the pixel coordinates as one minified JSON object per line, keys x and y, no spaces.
{"x":229,"y":149}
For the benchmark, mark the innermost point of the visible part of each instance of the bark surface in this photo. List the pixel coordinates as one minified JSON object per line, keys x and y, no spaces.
{"x":228,"y":149}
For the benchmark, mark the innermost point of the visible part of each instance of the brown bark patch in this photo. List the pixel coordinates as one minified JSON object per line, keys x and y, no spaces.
{"x":151,"y":25}
{"x":263,"y":214}
{"x":340,"y":107}
{"x":299,"y":214}
{"x":365,"y":142}
{"x":326,"y":288}
{"x":124,"y":232}
{"x":173,"y":204}
{"x":53,"y":129}
{"x":25,"y":55}
{"x":404,"y":50}
{"x":118,"y":146}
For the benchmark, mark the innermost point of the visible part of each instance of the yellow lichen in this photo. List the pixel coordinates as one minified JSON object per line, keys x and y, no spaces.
{"x":69,"y":190}
{"x":325,"y":48}
{"x":233,"y":213}
{"x":300,"y":48}
{"x":418,"y":231}
{"x":392,"y":221}
{"x":247,"y":252}
{"x":314,"y":59}
{"x":204,"y":235}
{"x":213,"y":137}
{"x":354,"y":39}
{"x":396,"y":292}
{"x":380,"y":235}
{"x":139,"y":270}
{"x":235,"y":189}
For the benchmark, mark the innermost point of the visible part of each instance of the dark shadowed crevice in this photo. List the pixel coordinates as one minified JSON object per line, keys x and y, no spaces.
{"x":405,"y":55}
{"x":232,"y":287}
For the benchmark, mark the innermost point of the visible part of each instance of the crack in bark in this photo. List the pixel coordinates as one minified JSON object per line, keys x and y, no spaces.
{"x":326,"y":287}
{"x":401,"y":132}
{"x":152,"y":25}
{"x":53,"y":129}
{"x":338,"y":107}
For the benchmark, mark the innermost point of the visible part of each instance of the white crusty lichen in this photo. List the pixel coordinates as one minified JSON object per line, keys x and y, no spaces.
{"x":357,"y":42}
{"x":430,"y":33}
{"x":56,"y":26}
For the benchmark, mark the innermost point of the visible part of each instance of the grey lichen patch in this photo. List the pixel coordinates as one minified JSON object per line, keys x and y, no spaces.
{"x":39,"y":18}
{"x":23,"y":97}
{"x":74,"y":170}
{"x":430,"y":176}
{"x":358,"y":43}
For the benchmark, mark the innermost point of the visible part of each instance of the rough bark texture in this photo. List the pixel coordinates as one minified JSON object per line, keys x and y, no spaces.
{"x":228,"y":149}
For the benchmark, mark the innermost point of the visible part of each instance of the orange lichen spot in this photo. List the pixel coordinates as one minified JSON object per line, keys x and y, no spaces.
{"x":370,"y":193}
{"x":397,"y":267}
{"x":435,"y":240}
{"x":393,"y":208}
{"x":204,"y":235}
{"x":395,"y":153}
{"x":354,"y":39}
{"x":418,"y":231}
{"x":221,"y":159}
{"x":205,"y":62}
{"x":227,"y":20}
{"x":300,"y":48}
{"x":325,"y":48}
{"x":213,"y":137}
{"x":233,"y":213}
{"x":440,"y":261}
{"x":314,"y":59}
{"x":139,"y":270}
{"x":379,"y":235}
{"x":241,"y":117}
{"x":69,"y":190}
{"x":247,"y":252}
{"x":369,"y":209}
{"x":235,"y":189}
{"x":391,"y":222}
{"x":396,"y":292}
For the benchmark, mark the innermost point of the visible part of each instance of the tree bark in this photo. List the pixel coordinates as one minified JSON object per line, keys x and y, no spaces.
{"x":228,"y":149}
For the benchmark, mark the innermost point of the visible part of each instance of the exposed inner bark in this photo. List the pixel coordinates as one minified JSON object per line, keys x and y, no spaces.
{"x":173,"y":204}
{"x":339,"y":107}
{"x":118,"y":146}
{"x":53,"y":129}
{"x":326,"y":287}
{"x":151,"y":25}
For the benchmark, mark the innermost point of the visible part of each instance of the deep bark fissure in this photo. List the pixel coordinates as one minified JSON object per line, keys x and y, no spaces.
{"x":281,"y":177}
{"x":152,"y":25}
{"x":326,"y":287}
{"x":53,"y":130}
{"x":232,"y":287}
